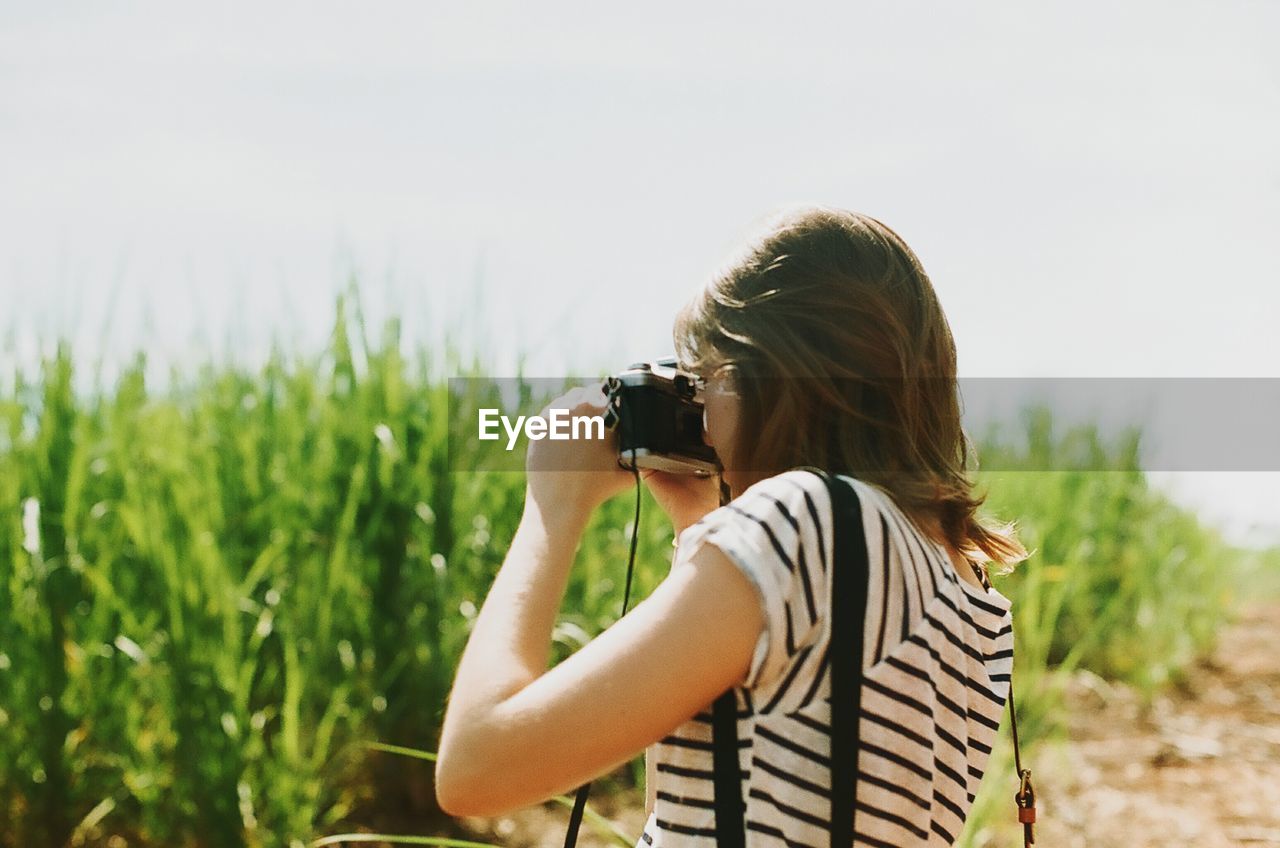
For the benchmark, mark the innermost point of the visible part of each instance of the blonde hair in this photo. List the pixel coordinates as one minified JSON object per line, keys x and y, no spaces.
{"x":844,"y":360}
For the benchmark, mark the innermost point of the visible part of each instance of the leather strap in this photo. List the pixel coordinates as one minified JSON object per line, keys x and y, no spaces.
{"x":849,"y":576}
{"x":730,"y":810}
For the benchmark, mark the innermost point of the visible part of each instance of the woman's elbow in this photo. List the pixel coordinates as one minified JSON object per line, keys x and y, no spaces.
{"x":450,"y":797}
{"x":464,"y":782}
{"x":455,"y":790}
{"x":455,"y":787}
{"x":472,"y":797}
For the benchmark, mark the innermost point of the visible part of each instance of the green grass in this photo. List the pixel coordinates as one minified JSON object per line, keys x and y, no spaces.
{"x":214,"y":595}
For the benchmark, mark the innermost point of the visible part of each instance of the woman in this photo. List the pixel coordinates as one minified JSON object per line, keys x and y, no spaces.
{"x":823,"y":345}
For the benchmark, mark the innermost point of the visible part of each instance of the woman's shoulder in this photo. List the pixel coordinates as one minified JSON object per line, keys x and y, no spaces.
{"x":794,"y":497}
{"x":789,"y":482}
{"x":800,"y":486}
{"x":801,"y":498}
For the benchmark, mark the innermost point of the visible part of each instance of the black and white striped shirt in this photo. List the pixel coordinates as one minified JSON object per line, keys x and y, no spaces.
{"x":938,"y":653}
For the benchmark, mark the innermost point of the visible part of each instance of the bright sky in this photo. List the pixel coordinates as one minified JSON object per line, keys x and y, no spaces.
{"x":1093,"y":187}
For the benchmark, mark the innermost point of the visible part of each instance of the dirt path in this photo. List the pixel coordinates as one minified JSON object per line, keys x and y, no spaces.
{"x":1200,"y":767}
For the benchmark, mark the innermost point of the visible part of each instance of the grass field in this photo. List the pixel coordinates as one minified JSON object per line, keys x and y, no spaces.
{"x":215,"y":595}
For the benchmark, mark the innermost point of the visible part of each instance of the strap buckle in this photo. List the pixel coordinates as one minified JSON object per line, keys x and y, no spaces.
{"x":1026,"y":801}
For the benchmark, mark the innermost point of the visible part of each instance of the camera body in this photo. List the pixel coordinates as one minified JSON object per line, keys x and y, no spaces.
{"x":657,"y":411}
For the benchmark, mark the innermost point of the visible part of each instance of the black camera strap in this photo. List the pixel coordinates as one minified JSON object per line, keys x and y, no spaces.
{"x":580,"y":797}
{"x":849,"y":577}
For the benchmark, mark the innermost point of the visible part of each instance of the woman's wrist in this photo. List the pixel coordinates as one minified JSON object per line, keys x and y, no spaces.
{"x":559,"y":518}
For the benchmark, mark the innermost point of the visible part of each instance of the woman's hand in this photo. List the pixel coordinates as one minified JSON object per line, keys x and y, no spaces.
{"x":685,"y":498}
{"x":569,"y":478}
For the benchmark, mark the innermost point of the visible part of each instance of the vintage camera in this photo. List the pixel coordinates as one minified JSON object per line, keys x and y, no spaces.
{"x":657,"y":411}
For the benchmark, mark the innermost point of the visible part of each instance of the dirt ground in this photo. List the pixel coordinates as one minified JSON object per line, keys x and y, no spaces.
{"x":1199,"y":767}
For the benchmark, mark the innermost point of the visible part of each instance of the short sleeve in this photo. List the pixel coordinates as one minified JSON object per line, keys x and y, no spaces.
{"x":778,"y":533}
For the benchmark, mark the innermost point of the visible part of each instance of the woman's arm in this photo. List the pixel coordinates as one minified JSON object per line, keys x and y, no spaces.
{"x":516,"y":733}
{"x":514,"y":737}
{"x":510,"y":644}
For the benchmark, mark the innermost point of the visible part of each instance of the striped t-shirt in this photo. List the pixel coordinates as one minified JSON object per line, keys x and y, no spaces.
{"x":937,"y":657}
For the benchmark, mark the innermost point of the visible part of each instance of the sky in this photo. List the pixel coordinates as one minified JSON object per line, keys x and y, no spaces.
{"x":1092,"y":187}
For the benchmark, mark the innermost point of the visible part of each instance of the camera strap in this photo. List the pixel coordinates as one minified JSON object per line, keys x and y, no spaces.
{"x":849,"y":577}
{"x":580,"y":797}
